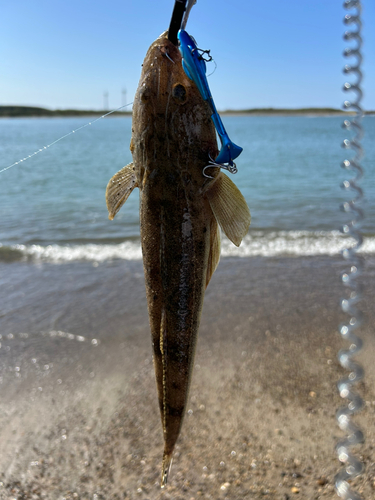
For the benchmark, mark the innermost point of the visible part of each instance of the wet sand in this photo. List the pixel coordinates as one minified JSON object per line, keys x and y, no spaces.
{"x":81,"y":420}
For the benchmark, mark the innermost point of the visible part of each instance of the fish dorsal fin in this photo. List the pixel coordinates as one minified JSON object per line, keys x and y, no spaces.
{"x":214,"y":255}
{"x":230,"y":208}
{"x":119,"y":189}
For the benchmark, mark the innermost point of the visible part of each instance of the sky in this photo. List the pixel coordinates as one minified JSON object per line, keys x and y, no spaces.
{"x":69,"y":53}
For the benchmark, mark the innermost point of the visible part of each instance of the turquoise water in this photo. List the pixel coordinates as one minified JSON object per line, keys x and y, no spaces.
{"x":53,"y":205}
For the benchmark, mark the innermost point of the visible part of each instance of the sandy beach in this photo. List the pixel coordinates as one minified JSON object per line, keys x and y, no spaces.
{"x":80,"y":420}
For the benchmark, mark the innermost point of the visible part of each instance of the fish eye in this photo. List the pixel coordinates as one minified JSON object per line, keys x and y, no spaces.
{"x":179,"y":93}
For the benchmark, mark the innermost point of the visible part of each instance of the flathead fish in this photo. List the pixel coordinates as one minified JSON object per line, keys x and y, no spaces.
{"x":173,"y":139}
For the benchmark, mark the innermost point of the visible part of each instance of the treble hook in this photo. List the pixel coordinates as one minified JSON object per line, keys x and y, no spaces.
{"x":201,"y":52}
{"x":231,"y":167}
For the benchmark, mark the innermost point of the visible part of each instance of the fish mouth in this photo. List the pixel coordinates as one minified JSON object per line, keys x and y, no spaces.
{"x":165,"y":47}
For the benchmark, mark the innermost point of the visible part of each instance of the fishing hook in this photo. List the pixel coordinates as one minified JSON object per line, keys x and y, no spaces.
{"x":201,"y":52}
{"x":231,"y":167}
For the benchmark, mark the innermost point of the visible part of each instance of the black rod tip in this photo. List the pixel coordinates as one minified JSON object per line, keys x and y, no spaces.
{"x":176,"y":20}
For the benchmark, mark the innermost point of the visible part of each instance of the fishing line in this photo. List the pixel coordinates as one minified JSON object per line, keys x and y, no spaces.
{"x":215,"y":68}
{"x":62,"y":137}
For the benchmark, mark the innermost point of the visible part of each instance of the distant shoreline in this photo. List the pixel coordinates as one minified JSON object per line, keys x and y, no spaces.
{"x":36,"y":112}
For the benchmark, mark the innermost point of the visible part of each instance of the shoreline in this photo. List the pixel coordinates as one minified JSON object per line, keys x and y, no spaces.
{"x":265,"y":242}
{"x":36,"y":112}
{"x":263,"y":394}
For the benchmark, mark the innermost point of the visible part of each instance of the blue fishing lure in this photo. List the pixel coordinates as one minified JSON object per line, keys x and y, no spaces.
{"x":195,"y":68}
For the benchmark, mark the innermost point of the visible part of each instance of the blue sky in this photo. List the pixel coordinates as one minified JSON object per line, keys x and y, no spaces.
{"x":67,"y":53}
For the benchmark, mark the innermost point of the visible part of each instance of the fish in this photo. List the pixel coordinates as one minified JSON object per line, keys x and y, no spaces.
{"x":181,"y":213}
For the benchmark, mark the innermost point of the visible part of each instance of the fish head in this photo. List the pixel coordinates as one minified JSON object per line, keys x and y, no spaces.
{"x":171,"y":120}
{"x":164,"y":83}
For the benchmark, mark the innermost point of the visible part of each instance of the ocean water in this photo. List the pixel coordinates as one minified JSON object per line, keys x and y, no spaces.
{"x":74,"y":334}
{"x":53,"y":209}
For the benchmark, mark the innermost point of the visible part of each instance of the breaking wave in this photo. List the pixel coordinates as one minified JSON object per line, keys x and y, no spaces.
{"x":256,"y":243}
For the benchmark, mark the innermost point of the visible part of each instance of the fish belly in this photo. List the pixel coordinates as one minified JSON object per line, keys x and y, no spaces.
{"x":175,"y":233}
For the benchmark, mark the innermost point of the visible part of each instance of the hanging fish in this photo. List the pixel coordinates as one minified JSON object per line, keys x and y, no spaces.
{"x":173,"y":139}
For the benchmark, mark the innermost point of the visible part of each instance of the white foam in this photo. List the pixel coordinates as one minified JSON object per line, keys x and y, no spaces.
{"x":127,"y":250}
{"x":293,"y":244}
{"x":256,"y":243}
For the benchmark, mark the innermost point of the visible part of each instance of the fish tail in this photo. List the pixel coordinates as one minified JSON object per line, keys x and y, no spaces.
{"x":166,"y":467}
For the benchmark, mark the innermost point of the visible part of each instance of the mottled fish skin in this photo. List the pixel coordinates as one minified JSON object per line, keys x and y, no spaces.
{"x":173,"y":135}
{"x":173,"y":138}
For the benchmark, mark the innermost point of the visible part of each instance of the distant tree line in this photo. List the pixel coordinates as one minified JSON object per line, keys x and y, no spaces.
{"x":31,"y":111}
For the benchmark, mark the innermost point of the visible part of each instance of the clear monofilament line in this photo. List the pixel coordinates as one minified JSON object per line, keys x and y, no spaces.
{"x":44,"y":148}
{"x":353,"y":467}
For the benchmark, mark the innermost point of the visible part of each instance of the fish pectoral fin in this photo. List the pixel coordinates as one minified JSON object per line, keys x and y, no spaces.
{"x":214,"y":255}
{"x":119,"y":189}
{"x":230,"y":208}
